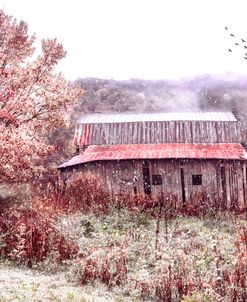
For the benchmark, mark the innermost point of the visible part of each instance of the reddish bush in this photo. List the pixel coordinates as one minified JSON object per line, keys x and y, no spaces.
{"x":30,"y":236}
{"x":238,"y":277}
{"x":231,"y":284}
{"x":168,"y":284}
{"x":85,"y":194}
{"x":173,"y":285}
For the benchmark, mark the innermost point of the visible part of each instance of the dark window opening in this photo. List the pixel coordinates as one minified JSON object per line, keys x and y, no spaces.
{"x":135,"y":190}
{"x":157,"y":180}
{"x":196,"y":180}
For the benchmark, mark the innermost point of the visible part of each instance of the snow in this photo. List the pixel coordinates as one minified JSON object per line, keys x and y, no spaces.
{"x":22,"y":284}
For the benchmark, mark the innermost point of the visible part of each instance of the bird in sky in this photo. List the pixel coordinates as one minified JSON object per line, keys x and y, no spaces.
{"x":237,"y":44}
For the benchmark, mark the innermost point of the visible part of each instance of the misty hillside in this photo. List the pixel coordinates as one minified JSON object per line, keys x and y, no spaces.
{"x":201,"y":93}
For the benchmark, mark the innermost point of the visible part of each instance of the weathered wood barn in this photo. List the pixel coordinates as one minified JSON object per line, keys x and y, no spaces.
{"x":183,"y":155}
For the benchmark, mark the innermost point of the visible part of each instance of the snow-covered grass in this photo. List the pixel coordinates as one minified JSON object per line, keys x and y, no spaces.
{"x":127,"y":256}
{"x":202,"y":252}
{"x":20,"y":284}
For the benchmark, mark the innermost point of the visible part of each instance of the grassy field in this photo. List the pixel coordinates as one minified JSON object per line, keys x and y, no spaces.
{"x":124,"y":257}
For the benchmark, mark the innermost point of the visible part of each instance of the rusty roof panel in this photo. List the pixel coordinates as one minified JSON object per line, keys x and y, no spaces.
{"x":158,"y":151}
{"x":102,"y":118}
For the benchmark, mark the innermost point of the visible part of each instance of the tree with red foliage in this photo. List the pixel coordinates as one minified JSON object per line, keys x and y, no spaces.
{"x":33,"y":100}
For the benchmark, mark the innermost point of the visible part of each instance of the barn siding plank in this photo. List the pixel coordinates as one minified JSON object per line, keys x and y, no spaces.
{"x":165,"y":132}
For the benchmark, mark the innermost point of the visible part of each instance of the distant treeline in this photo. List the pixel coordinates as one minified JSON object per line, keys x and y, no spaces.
{"x":135,"y":95}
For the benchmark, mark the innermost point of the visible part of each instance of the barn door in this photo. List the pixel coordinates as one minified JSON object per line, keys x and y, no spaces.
{"x":223,"y":184}
{"x":146,"y":177}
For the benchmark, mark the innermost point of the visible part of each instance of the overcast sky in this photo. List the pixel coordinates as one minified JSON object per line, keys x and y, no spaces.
{"x":151,"y":39}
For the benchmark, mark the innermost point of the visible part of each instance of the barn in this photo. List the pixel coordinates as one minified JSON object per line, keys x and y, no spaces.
{"x":184,"y":155}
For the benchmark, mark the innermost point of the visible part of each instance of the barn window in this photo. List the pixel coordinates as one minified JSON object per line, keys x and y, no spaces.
{"x":157,"y":180}
{"x":196,"y":180}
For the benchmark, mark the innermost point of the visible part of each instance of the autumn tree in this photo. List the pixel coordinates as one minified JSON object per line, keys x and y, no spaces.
{"x":33,"y":100}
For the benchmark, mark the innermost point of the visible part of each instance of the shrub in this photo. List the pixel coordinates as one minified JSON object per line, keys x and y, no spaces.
{"x":169,"y":284}
{"x":30,"y":236}
{"x":85,"y":194}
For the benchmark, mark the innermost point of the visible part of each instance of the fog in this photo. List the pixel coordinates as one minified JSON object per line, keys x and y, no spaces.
{"x":206,"y":93}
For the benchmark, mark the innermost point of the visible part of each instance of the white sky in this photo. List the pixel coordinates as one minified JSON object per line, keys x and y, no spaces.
{"x":152,"y":39}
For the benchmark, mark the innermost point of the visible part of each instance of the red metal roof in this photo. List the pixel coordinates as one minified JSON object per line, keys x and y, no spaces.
{"x":158,"y":151}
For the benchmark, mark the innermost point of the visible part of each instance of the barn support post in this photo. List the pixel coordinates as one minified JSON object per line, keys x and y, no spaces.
{"x":223,"y":185}
{"x":183,"y":184}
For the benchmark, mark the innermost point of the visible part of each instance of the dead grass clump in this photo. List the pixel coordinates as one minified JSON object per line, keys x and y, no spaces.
{"x":234,"y":283}
{"x":108,"y":265}
{"x":169,"y":284}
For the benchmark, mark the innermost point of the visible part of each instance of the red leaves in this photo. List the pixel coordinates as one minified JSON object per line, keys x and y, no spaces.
{"x":15,"y":44}
{"x":52,"y":51}
{"x":85,"y":194}
{"x":32,"y":99}
{"x":30,"y":236}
